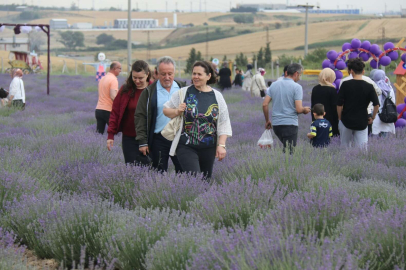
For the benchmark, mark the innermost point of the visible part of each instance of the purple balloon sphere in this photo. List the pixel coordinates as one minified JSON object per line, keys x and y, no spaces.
{"x":374,"y":48}
{"x":364,"y":56}
{"x":388,"y":45}
{"x":401,"y":123}
{"x":341,"y":65}
{"x":332,"y":55}
{"x":355,"y":43}
{"x":346,"y":46}
{"x":403,"y":57}
{"x":366,"y":45}
{"x":332,"y":66}
{"x":373,"y":63}
{"x":378,"y":53}
{"x":385,"y":61}
{"x":404,"y":100}
{"x":404,"y":115}
{"x":344,"y":57}
{"x":400,"y":108}
{"x":353,"y":55}
{"x":326,"y":63}
{"x":339,"y":74}
{"x":337,"y":83}
{"x":393,"y":55}
{"x":335,"y":86}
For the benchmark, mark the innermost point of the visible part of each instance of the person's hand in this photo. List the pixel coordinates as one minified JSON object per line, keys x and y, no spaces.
{"x":268,"y":125}
{"x":144,"y":150}
{"x":306,"y":110}
{"x":220,"y":153}
{"x":181,"y":108}
{"x":370,"y":120}
{"x":110,"y":144}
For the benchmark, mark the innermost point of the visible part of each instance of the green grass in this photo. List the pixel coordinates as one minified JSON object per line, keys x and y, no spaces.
{"x":363,"y":25}
{"x":223,"y":18}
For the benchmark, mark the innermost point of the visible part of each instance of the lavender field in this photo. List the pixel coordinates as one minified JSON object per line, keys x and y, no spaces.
{"x":65,"y":197}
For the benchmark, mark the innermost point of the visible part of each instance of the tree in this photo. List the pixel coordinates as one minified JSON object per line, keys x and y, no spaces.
{"x":243,"y":18}
{"x":268,"y":55}
{"x":73,"y":6}
{"x":278,"y":25}
{"x":37,"y":39}
{"x":225,"y":58}
{"x":254,"y":58}
{"x":104,"y":39}
{"x":260,"y":58}
{"x":71,"y":39}
{"x":193,"y":57}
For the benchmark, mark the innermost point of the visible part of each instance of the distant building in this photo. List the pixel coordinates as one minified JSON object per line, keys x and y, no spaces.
{"x":136,"y":23}
{"x":82,"y":26}
{"x":175,"y":20}
{"x":403,"y":12}
{"x":23,"y":8}
{"x":58,"y":24}
{"x":13,"y":44}
{"x":333,"y":11}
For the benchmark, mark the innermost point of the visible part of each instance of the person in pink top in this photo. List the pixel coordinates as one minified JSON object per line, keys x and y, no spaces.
{"x":108,"y":89}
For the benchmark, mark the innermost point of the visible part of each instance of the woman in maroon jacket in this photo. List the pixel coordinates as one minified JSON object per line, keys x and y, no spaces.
{"x":122,"y":114}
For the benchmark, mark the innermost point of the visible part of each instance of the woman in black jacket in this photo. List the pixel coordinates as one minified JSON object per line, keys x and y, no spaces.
{"x":325,"y":93}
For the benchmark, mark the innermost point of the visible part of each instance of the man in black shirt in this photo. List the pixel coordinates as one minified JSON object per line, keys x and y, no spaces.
{"x":353,"y":100}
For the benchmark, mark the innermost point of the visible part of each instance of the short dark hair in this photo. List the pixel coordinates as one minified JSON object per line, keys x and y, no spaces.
{"x":356,"y":65}
{"x":293,"y":68}
{"x":318,"y":109}
{"x":113,"y":65}
{"x":285,"y":69}
{"x":208,"y":69}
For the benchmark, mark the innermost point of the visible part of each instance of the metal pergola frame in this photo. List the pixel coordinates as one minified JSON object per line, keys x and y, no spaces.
{"x":47,"y":30}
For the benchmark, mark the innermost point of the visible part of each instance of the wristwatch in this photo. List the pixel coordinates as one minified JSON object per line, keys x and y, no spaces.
{"x":222,"y":145}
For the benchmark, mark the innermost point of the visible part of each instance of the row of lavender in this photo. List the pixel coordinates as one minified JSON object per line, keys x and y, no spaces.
{"x":64,"y":196}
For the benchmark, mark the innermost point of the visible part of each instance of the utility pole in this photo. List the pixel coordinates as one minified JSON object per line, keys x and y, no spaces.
{"x":200,"y":6}
{"x":129,"y":38}
{"x":307,"y":6}
{"x":191,"y":6}
{"x":176,"y":6}
{"x":166,"y":7}
{"x":207,"y":43}
{"x":205,"y":8}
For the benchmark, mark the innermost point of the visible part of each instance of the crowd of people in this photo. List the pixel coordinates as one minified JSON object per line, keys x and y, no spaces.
{"x":161,"y":118}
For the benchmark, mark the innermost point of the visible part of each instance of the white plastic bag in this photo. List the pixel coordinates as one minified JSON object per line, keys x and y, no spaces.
{"x":266,"y":139}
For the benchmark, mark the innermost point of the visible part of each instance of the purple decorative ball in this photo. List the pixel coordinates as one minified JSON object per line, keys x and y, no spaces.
{"x":401,"y":123}
{"x":400,"y":107}
{"x":366,"y":45}
{"x":404,"y":115}
{"x":339,"y":74}
{"x":332,"y":55}
{"x":378,"y":53}
{"x":388,"y":45}
{"x":404,"y":100}
{"x":332,"y":66}
{"x":341,"y":65}
{"x":373,"y":63}
{"x":385,"y":61}
{"x":364,"y":56}
{"x":353,"y":55}
{"x":326,"y":63}
{"x":393,"y":55}
{"x":374,"y":48}
{"x":335,"y":86}
{"x":337,"y":83}
{"x":403,"y":57}
{"x":355,"y":43}
{"x":344,"y":57}
{"x":346,"y":46}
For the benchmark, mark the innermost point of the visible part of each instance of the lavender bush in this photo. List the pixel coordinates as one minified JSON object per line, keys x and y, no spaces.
{"x":66,"y":197}
{"x":10,"y":254}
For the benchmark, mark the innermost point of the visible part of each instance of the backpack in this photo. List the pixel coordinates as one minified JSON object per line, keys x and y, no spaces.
{"x":388,"y":113}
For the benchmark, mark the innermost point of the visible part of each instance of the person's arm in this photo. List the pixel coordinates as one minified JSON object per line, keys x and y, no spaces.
{"x":300,"y":109}
{"x":262,"y":83}
{"x":265,"y":109}
{"x":221,"y":147}
{"x":313,"y":132}
{"x":140,"y":121}
{"x":375,"y":103}
{"x":174,"y":107}
{"x":113,"y":121}
{"x":113,"y":89}
{"x":172,"y":113}
{"x":341,"y":100}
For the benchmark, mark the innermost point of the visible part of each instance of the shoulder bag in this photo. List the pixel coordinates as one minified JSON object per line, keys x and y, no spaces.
{"x":175,"y":124}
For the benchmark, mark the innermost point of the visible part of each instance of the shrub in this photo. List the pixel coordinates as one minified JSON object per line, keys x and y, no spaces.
{"x":234,"y":202}
{"x":11,"y":256}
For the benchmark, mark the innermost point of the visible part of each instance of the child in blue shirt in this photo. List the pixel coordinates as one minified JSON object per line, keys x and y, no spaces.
{"x":321,"y":129}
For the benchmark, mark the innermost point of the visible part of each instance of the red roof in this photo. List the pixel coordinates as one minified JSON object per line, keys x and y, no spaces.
{"x":400,"y":70}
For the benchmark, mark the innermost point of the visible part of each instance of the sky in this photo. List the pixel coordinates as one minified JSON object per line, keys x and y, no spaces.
{"x":217,"y":5}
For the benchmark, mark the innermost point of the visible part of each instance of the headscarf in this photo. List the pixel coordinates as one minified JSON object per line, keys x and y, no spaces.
{"x":261,"y":71}
{"x":326,"y":77}
{"x":249,"y":66}
{"x":371,"y":74}
{"x":380,"y":79}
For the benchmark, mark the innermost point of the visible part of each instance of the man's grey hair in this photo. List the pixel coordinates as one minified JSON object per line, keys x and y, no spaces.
{"x":293,"y":68}
{"x":165,"y":60}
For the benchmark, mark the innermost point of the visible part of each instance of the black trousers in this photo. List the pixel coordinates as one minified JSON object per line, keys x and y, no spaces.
{"x":160,"y":154}
{"x":132,"y":154}
{"x":196,"y":160}
{"x":102,"y":118}
{"x":287,"y":134}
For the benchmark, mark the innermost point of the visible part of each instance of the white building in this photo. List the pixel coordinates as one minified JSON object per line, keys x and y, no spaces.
{"x":165,"y":22}
{"x":82,"y":26}
{"x":136,"y":23}
{"x":175,"y":20}
{"x":58,"y":23}
{"x":13,"y":44}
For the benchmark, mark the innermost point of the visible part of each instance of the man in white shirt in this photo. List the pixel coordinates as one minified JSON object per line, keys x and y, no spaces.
{"x":17,"y":92}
